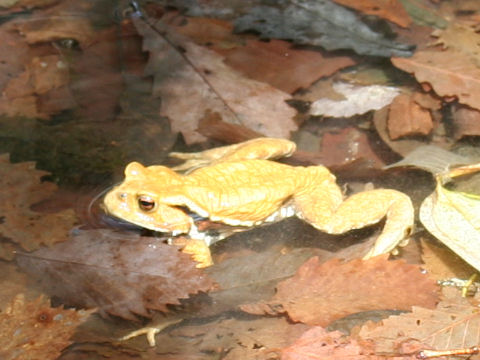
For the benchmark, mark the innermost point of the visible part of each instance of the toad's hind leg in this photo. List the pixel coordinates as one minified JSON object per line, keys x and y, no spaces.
{"x":323,"y":210}
{"x":260,"y":148}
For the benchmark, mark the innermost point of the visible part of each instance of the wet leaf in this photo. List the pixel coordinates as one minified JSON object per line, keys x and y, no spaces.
{"x":275,"y":62}
{"x":449,"y":72}
{"x":329,"y":25}
{"x":453,"y":324}
{"x":121,"y":275}
{"x":22,"y":187}
{"x":358,"y":100}
{"x":317,"y":343}
{"x":196,"y":80}
{"x":453,"y":217}
{"x":321,"y":293}
{"x":35,"y":330}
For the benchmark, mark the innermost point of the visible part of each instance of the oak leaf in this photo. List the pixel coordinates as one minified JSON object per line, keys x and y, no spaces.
{"x":121,"y":275}
{"x":449,"y":72}
{"x":35,"y":330}
{"x":321,"y":293}
{"x":196,"y":80}
{"x":21,"y":187}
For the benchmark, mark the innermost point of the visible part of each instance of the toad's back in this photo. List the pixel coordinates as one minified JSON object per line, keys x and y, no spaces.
{"x":249,"y":189}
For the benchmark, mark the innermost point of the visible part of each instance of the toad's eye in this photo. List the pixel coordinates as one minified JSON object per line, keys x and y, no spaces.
{"x":146,"y":203}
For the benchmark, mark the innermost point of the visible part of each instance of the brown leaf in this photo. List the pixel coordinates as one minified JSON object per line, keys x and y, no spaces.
{"x":406,"y":117}
{"x":453,"y":324}
{"x":197,"y":81}
{"x":392,"y":10}
{"x":321,"y":293}
{"x":450,"y":73}
{"x":121,"y":275}
{"x":275,"y":62}
{"x":22,"y":187}
{"x":34,"y":330}
{"x":279,"y":64}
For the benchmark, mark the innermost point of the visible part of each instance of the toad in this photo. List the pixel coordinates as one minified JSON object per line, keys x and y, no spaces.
{"x":240,"y":185}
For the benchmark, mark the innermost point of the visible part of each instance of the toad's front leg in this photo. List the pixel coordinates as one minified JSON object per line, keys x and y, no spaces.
{"x":323,"y":209}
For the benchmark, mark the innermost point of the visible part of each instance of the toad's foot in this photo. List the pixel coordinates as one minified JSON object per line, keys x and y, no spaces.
{"x":150,"y":331}
{"x":260,"y":148}
{"x":200,"y":252}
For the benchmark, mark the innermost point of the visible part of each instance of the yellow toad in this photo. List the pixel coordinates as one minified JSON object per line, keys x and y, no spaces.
{"x":239,"y":186}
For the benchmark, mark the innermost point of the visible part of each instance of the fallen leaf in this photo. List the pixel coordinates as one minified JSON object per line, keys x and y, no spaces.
{"x":121,"y":275}
{"x":387,"y":9}
{"x":44,"y":78}
{"x":346,"y":146}
{"x":22,"y":187}
{"x":358,"y":100}
{"x":196,"y":80}
{"x":317,"y":343}
{"x":453,"y":324}
{"x":405,"y":146}
{"x":283,"y":66}
{"x":453,"y":217}
{"x":330,"y":25}
{"x":275,"y":62}
{"x":466,"y":122}
{"x":321,"y":293}
{"x":35,"y":330}
{"x":406,"y":117}
{"x":450,"y":73}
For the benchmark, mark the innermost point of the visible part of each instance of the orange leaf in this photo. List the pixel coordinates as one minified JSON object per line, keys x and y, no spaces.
{"x":321,"y":293}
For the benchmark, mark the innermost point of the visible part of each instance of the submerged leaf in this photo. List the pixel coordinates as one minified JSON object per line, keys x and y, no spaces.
{"x":120,"y":275}
{"x":320,"y":23}
{"x":35,"y":330}
{"x":196,"y":81}
{"x":358,"y":100}
{"x":22,"y":187}
{"x":321,"y":293}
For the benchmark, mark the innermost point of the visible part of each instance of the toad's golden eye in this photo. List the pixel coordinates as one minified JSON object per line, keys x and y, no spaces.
{"x":146,"y":203}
